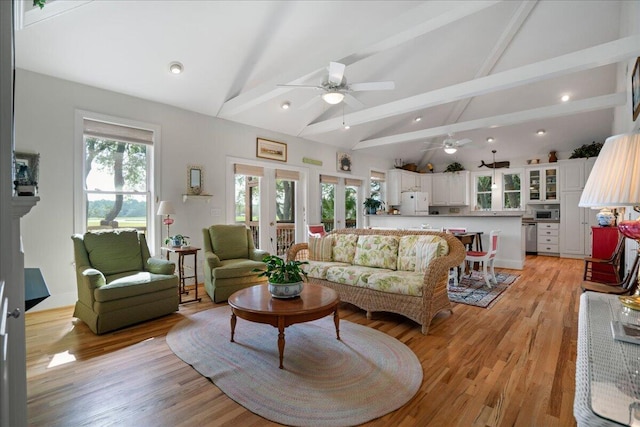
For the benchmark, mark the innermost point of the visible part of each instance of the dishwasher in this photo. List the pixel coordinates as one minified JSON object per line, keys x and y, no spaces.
{"x":531,"y":237}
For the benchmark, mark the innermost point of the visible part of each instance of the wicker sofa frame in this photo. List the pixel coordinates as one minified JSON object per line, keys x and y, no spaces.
{"x":421,"y":309}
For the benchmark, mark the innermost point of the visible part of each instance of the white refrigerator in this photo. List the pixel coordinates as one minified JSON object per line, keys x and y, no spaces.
{"x":414,"y":203}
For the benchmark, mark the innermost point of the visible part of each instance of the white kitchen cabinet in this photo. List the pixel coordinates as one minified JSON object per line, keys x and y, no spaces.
{"x":450,"y":189}
{"x":575,"y":222}
{"x":548,"y":238}
{"x":542,"y":185}
{"x":426,"y":185}
{"x":399,"y":181}
{"x":574,"y":173}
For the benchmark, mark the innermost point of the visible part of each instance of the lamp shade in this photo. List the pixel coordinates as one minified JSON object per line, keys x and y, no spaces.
{"x":615,"y":177}
{"x":165,"y":208}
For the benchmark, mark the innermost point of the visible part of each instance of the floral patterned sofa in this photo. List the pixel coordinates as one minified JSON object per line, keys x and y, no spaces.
{"x":398,"y":271}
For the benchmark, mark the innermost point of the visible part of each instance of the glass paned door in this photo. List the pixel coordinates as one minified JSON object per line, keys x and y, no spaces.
{"x":534,"y":185}
{"x":551,"y":180}
{"x":350,"y":206}
{"x":285,"y":215}
{"x":328,"y":196}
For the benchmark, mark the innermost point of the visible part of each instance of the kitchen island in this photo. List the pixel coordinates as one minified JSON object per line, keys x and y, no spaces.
{"x":511,"y":250}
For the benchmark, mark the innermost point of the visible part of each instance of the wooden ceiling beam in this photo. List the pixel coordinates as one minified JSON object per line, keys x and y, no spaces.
{"x":557,"y":110}
{"x":585,"y":59}
{"x":420,"y":21}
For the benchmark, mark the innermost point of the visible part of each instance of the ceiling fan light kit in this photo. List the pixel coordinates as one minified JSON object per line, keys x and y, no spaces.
{"x":176,"y":67}
{"x":335,"y":87}
{"x":333,"y":97}
{"x":450,"y":150}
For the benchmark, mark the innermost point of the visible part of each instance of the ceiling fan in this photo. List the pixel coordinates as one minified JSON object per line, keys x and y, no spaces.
{"x":335,"y":88}
{"x":450,"y":144}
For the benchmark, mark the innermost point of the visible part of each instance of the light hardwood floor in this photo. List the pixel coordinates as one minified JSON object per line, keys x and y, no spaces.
{"x":510,"y":365}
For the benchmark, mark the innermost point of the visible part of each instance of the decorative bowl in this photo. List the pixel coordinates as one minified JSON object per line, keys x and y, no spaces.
{"x":285,"y":290}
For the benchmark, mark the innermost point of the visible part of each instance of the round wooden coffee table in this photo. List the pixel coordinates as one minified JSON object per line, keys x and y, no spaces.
{"x":256,"y":304}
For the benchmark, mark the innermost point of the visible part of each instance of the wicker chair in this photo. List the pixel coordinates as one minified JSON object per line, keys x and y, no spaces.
{"x":421,"y":309}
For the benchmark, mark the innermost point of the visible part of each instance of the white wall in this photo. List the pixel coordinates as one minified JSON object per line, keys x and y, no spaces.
{"x":629,"y":25}
{"x":45,"y":109}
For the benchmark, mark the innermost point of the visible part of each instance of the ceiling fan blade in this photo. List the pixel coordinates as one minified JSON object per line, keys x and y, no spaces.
{"x":301,"y":86}
{"x":336,"y":72}
{"x":463,"y":141}
{"x":351,"y":101}
{"x":372,"y":86}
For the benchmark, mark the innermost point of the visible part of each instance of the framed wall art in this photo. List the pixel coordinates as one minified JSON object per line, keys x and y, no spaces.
{"x":635,"y":90}
{"x":344,"y":162}
{"x":271,"y":150}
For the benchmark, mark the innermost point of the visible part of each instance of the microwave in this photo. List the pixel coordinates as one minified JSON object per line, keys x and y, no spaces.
{"x":553,"y":214}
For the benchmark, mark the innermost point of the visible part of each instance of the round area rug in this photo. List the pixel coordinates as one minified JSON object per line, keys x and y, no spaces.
{"x":325,"y":381}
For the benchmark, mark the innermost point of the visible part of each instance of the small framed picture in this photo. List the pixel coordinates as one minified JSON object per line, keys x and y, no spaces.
{"x":271,"y":150}
{"x":344,"y":162}
{"x":195,"y":179}
{"x":635,"y":89}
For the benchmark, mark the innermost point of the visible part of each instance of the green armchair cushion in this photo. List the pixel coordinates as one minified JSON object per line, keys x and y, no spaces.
{"x":238,"y":268}
{"x":229,"y":241}
{"x":114,"y":251}
{"x":160,"y":266}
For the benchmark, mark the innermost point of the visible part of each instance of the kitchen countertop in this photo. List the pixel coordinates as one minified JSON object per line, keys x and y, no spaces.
{"x":479,"y":215}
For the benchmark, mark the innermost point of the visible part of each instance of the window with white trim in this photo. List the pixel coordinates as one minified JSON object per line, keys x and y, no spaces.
{"x":116,"y":175}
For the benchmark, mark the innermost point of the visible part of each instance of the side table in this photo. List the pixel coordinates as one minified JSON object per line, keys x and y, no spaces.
{"x":182,"y":253}
{"x":607,"y":381}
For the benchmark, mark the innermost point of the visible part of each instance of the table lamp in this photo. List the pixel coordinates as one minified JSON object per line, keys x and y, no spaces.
{"x":166,"y":208}
{"x":615,"y":181}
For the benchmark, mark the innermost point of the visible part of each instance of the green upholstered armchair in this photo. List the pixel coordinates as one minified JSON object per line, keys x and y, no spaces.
{"x":119,"y":284}
{"x":229,"y":260}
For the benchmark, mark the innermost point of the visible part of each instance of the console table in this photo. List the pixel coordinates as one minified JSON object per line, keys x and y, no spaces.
{"x":607,"y":371}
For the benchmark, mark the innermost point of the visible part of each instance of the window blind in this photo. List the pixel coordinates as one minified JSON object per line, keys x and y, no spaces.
{"x":120,"y":133}
{"x":378,"y":176}
{"x":326,"y":179}
{"x":353,"y":182}
{"x":287,"y":175}
{"x":240,"y":169}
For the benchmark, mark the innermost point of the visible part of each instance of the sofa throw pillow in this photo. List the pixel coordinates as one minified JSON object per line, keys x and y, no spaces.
{"x":377,"y":251}
{"x":321,"y":248}
{"x":407,"y":249}
{"x":344,"y":247}
{"x":425,"y":252}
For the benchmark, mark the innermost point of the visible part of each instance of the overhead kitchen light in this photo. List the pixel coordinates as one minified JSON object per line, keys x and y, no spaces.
{"x":176,"y":67}
{"x":565,"y":98}
{"x":541,"y":132}
{"x":347,"y":127}
{"x":494,"y":184}
{"x":417,"y":119}
{"x":333,"y":97}
{"x":285,"y":105}
{"x":490,"y":139}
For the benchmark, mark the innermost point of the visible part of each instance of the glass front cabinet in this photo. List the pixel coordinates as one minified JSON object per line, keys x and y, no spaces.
{"x":542,"y":185}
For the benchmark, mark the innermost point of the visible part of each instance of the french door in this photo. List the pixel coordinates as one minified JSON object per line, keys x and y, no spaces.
{"x":269,"y":201}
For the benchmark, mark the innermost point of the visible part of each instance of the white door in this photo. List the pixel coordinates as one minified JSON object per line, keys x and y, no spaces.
{"x":13,"y":385}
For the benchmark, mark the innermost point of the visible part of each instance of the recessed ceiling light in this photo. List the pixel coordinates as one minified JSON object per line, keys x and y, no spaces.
{"x":347,"y":127}
{"x":490,"y":139}
{"x":417,"y":119}
{"x":541,"y":132}
{"x":176,"y":67}
{"x":565,"y":98}
{"x":285,"y":105}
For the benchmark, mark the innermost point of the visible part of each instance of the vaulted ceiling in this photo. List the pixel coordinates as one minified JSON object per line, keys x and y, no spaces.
{"x":476,"y":69}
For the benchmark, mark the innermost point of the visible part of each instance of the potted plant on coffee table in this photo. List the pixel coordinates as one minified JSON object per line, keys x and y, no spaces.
{"x":285,"y":277}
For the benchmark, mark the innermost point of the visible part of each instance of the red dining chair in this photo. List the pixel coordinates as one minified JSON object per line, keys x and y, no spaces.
{"x":486,"y":258}
{"x":316,"y":230}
